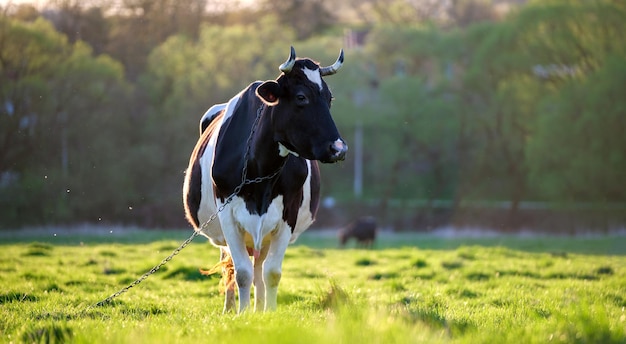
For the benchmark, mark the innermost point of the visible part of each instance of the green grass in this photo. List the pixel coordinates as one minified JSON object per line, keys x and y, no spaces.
{"x":411,"y":288}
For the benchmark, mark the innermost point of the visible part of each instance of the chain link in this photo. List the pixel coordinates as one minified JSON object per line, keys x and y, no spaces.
{"x":196,"y":232}
{"x":147,"y":274}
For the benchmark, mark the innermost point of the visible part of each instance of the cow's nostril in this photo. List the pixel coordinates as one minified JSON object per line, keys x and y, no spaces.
{"x":338,"y":150}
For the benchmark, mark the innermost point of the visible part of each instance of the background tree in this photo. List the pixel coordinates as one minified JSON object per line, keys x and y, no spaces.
{"x":58,"y":105}
{"x":423,"y":121}
{"x":81,"y":21}
{"x":304,"y":17}
{"x":139,"y":26}
{"x":463,"y":13}
{"x":584,"y":123}
{"x":23,"y":12}
{"x":457,"y":103}
{"x":499,"y":92}
{"x":513,"y":67}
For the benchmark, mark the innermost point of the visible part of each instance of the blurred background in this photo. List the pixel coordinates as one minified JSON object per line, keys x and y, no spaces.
{"x":505,"y":115}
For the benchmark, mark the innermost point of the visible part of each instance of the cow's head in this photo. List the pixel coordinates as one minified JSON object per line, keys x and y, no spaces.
{"x":301,"y":110}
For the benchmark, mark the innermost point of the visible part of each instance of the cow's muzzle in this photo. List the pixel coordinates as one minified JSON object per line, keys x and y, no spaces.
{"x":337,"y":151}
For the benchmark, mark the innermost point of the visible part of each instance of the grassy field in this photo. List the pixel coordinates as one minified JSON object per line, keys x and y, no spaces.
{"x":409,"y":289}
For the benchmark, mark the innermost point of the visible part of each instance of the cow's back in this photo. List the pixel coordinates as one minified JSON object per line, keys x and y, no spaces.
{"x":198,"y":182}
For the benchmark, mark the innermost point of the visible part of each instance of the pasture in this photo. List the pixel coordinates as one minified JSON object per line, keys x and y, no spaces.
{"x":411,"y":288}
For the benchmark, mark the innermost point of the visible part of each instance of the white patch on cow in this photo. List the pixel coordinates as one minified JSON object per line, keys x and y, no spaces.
{"x":229,"y":109}
{"x":209,"y":115}
{"x":267,"y":232}
{"x":256,"y":227}
{"x":314,"y":76}
{"x":284,"y":151}
{"x":212,"y":111}
{"x":305,"y":217}
{"x":232,"y":104}
{"x":208,"y":205}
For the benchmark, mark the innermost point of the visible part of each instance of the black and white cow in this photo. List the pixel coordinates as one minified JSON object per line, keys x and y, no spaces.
{"x":294,"y":131}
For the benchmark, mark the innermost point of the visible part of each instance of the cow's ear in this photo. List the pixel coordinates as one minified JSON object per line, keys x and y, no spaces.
{"x":269,"y":92}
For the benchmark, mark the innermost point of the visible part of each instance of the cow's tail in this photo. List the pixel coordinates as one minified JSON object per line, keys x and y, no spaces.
{"x":227,"y":268}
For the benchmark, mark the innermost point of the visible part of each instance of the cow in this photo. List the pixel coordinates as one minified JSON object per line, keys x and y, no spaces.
{"x":256,"y":166}
{"x":363,"y":230}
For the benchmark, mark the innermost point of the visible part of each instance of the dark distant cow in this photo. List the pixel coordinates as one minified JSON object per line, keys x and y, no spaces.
{"x":363,"y":230}
{"x":295,"y":130}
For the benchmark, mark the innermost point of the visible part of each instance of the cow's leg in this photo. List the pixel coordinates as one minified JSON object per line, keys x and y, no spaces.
{"x":229,"y":284}
{"x":272,"y":267}
{"x":259,"y":285}
{"x":241,"y":261}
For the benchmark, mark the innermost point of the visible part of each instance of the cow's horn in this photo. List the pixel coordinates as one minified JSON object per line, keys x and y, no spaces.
{"x":330,"y":70}
{"x":286,"y":67}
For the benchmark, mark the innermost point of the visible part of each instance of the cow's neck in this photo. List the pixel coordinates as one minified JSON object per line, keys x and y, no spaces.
{"x":265,"y":158}
{"x":263,"y":165}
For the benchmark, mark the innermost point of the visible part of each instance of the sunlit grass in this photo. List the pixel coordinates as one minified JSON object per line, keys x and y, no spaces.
{"x":466,"y":293}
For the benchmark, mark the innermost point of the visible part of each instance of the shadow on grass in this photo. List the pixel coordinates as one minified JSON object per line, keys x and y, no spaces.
{"x":51,"y":333}
{"x":16,"y":296}
{"x":431,"y":313}
{"x":188,"y":273}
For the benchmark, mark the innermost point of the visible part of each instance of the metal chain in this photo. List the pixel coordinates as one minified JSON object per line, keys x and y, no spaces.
{"x":229,"y":199}
{"x":147,"y":274}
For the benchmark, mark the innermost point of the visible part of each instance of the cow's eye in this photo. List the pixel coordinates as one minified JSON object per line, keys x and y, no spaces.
{"x":301,"y":99}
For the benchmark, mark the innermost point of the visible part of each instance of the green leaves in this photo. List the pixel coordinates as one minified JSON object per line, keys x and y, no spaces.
{"x":59,"y":112}
{"x":586,"y":122}
{"x":540,"y":94}
{"x":528,"y":107}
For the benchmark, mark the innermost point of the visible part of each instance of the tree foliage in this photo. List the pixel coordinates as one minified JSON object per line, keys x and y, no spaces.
{"x":99,"y":105}
{"x":58,"y":115}
{"x":524,"y":66}
{"x":586,"y":121}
